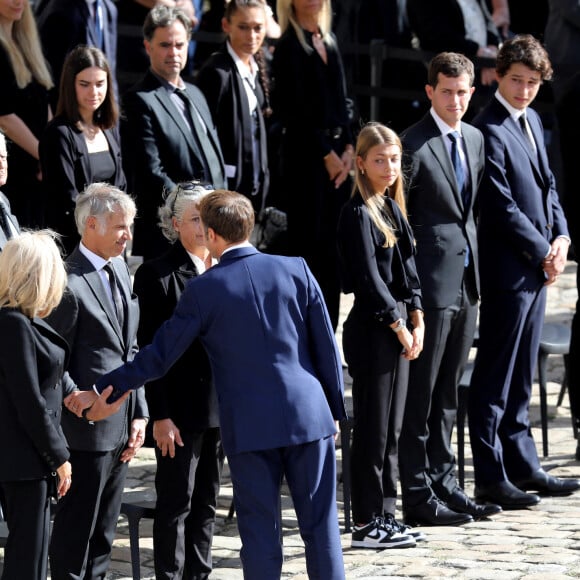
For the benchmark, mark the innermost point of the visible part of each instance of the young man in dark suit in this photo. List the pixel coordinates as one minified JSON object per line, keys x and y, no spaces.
{"x":446,"y":164}
{"x":98,"y":317}
{"x":168,"y":134}
{"x":523,"y":241}
{"x":278,"y":376}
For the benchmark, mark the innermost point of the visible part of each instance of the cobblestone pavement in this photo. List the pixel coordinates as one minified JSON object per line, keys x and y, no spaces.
{"x":538,"y":543}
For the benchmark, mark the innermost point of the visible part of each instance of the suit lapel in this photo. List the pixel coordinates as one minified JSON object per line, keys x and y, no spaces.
{"x":95,"y":285}
{"x":471,"y":157}
{"x":164,"y":99}
{"x":441,"y":154}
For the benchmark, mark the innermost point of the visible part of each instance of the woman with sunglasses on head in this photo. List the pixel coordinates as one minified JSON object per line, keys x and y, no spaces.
{"x":235,"y":84}
{"x":183,"y":413}
{"x":81,"y":145}
{"x":383,"y":331}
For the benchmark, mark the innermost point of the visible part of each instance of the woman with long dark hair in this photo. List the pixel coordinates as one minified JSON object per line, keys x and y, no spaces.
{"x":81,"y":144}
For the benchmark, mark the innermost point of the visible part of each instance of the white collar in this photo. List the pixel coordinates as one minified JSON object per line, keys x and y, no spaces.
{"x":246,"y":73}
{"x":515,"y":114}
{"x":442,"y":125}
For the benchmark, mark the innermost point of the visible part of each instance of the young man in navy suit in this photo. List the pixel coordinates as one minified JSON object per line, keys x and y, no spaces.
{"x":278,"y":376}
{"x":523,"y":244}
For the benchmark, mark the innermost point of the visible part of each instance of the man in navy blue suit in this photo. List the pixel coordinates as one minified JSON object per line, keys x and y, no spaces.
{"x":523,"y":244}
{"x":278,"y":376}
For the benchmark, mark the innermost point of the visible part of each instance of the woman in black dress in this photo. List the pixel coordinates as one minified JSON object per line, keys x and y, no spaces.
{"x":383,"y":331}
{"x":309,"y":103}
{"x":24,"y":108}
{"x":80,"y":145}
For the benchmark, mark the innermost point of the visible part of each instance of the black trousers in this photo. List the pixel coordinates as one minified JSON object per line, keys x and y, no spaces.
{"x":373,"y":354}
{"x":86,"y":517}
{"x":187,"y":490}
{"x":426,"y":456}
{"x":27,"y":513}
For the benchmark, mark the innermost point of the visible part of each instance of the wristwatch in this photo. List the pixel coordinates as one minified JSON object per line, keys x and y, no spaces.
{"x":400,"y":325}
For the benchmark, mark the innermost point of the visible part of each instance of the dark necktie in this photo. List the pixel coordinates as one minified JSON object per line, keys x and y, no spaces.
{"x":458,"y":166}
{"x":460,"y":177}
{"x":527,"y":133}
{"x":115,"y":293}
{"x":207,"y":157}
{"x":5,"y":221}
{"x":99,"y":27}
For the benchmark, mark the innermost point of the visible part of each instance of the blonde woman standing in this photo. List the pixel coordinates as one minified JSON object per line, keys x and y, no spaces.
{"x":33,"y":357}
{"x":24,"y":107}
{"x":383,"y":330}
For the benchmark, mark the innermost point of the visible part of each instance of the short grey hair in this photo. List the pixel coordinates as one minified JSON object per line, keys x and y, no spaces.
{"x":162,"y":16}
{"x":176,"y":202}
{"x":100,"y":200}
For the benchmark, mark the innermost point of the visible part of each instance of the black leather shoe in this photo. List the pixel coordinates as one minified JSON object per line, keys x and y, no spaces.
{"x":546,"y":484}
{"x":458,"y":501}
{"x":506,"y":495}
{"x":434,"y":513}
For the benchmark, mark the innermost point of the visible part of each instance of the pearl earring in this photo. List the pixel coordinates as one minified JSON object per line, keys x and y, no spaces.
{"x":362,"y":171}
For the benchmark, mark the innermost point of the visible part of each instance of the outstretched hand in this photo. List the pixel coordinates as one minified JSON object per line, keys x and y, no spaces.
{"x":97,"y":405}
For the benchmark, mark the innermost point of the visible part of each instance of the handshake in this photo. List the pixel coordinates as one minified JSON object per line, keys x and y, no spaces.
{"x":92,"y":407}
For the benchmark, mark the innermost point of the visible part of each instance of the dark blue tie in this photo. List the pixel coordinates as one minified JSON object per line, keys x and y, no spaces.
{"x":456,"y":160}
{"x":99,"y":27}
{"x":460,"y":177}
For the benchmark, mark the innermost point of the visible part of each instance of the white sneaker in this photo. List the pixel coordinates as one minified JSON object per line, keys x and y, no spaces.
{"x":378,"y":535}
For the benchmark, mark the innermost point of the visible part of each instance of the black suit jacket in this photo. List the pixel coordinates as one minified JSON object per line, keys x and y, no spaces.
{"x":85,"y":318}
{"x":64,"y":24}
{"x":223,"y":87}
{"x":159,"y":152}
{"x":443,"y":227}
{"x":440,"y":26}
{"x":67,"y":170}
{"x":32,"y":361}
{"x":186,"y":393}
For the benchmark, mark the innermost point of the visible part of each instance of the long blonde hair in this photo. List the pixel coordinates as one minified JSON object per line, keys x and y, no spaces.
{"x":24,"y":51}
{"x":287,"y":16}
{"x":32,"y":273}
{"x":377,"y":134}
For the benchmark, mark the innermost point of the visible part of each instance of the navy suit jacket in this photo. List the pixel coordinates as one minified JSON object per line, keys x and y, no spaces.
{"x":191,"y":404}
{"x":519,"y":210}
{"x":442,"y":225}
{"x":85,"y":318}
{"x":159,"y":150}
{"x":265,"y":327}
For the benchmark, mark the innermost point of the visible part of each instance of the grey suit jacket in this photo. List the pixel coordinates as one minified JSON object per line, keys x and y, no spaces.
{"x":443,"y":227}
{"x":85,"y":318}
